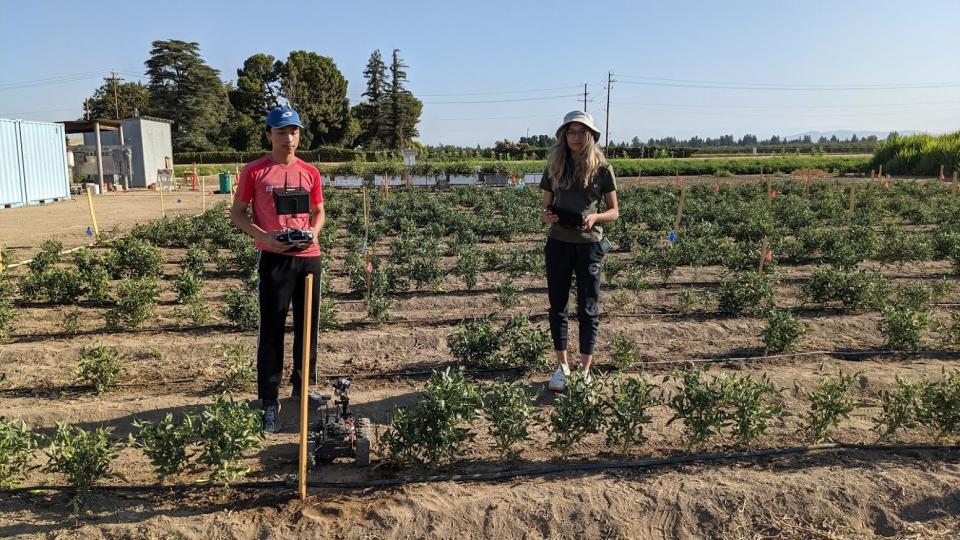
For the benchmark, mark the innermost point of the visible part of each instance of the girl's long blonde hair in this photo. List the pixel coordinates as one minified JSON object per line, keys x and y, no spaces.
{"x":566,"y":169}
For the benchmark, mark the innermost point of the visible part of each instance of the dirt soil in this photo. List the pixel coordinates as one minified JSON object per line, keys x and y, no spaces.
{"x":845,"y":494}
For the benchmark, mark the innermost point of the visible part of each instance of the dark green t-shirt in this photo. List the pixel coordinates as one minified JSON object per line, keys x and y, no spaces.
{"x":585,"y":202}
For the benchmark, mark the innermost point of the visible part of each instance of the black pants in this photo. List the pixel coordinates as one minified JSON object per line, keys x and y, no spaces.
{"x":282,"y":279}
{"x":563,"y":259}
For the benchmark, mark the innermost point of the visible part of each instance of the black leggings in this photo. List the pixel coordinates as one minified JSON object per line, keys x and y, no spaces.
{"x":563,"y":259}
{"x":281,"y":280}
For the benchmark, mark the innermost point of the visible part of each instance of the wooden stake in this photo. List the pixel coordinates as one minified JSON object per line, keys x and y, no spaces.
{"x":305,"y":382}
{"x":203,"y":192}
{"x":954,"y":183}
{"x":763,"y":254}
{"x":93,"y":215}
{"x":853,"y":202}
{"x":366,"y":240}
{"x":163,"y":211}
{"x":942,"y":177}
{"x":676,"y":221}
{"x":880,"y":174}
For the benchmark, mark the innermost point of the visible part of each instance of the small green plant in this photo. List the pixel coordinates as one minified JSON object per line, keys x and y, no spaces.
{"x":698,"y":403}
{"x":782,"y":331}
{"x":508,"y":294}
{"x":951,"y":333}
{"x":189,"y":285}
{"x":196,"y":259}
{"x":241,"y":372}
{"x":136,"y":301}
{"x":687,"y":300}
{"x":476,"y":343}
{"x":197,"y":312}
{"x":17,"y":445}
{"x":82,"y":456}
{"x":903,"y":326}
{"x":8,"y":314}
{"x":227,"y":429}
{"x":748,"y":293}
{"x":628,"y":405}
{"x":134,"y":258}
{"x":165,"y":443}
{"x":611,"y":268}
{"x":468,"y":266}
{"x":830,"y":404}
{"x":327,"y":316}
{"x":752,"y":406}
{"x":939,"y":409}
{"x":620,"y":299}
{"x":899,"y":409}
{"x":379,"y":301}
{"x":526,"y":344}
{"x":434,"y":429}
{"x":243,"y":308}
{"x":511,"y":412}
{"x":72,"y":319}
{"x":624,"y":352}
{"x":100,"y":367}
{"x":578,"y":412}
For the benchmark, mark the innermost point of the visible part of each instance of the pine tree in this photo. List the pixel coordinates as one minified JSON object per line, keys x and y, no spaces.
{"x":184,"y":89}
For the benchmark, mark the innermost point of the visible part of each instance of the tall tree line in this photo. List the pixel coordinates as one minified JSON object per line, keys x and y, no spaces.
{"x":210,"y":114}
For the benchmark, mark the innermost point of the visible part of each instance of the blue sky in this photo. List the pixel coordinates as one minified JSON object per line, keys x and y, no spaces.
{"x":542,"y":53}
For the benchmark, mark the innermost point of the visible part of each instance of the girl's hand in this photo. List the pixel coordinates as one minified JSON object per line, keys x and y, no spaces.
{"x":589,"y":222}
{"x":549,"y":217}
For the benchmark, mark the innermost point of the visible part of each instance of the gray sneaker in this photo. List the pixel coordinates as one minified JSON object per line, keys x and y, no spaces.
{"x":271,"y":416}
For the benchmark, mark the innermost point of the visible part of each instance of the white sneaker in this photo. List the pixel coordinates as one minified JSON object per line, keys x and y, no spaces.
{"x":558,"y":383}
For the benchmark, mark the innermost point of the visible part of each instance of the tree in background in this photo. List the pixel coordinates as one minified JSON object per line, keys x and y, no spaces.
{"x":402,"y":112}
{"x":132,"y":98}
{"x":184,"y":89}
{"x":369,"y":114}
{"x":258,"y":90}
{"x":313,"y":85}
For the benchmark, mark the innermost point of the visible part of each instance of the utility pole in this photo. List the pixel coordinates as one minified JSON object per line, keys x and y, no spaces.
{"x":584,"y":97}
{"x":606,"y":139}
{"x":116,"y":101}
{"x":86,"y":109}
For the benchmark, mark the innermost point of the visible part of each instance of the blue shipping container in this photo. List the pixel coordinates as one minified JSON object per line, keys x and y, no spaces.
{"x":33,"y":162}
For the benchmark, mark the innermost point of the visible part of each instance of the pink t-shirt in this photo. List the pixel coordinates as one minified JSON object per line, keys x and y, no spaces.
{"x":257,"y":182}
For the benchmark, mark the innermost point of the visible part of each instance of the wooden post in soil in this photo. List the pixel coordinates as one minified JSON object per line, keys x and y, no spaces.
{"x":203,"y":193}
{"x":853,"y":202}
{"x":366,"y":239}
{"x":163,"y":211}
{"x":942,"y":178}
{"x":676,"y":220}
{"x":953,"y":186}
{"x":305,"y":382}
{"x":93,"y":215}
{"x":763,"y":254}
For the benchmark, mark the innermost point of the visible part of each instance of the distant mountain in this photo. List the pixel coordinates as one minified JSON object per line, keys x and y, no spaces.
{"x":845,"y":134}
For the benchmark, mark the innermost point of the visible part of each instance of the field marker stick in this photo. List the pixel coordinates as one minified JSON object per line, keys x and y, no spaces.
{"x":203,"y":192}
{"x":853,"y":202}
{"x":941,"y":177}
{"x":366,"y":240}
{"x":305,"y":382}
{"x":954,"y":184}
{"x":880,"y":174}
{"x":763,"y":254}
{"x":163,"y":212}
{"x":676,"y":221}
{"x":93,"y":215}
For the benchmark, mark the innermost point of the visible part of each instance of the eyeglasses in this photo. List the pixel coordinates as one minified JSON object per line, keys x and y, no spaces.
{"x":576,"y":133}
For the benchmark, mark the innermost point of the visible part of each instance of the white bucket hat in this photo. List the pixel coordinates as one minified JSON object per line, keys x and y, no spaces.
{"x":583,"y":118}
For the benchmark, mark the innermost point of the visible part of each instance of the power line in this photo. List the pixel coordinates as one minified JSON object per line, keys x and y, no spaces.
{"x":52,"y":81}
{"x":679,"y":83}
{"x":767,"y":115}
{"x":779,"y":107}
{"x":544,"y":98}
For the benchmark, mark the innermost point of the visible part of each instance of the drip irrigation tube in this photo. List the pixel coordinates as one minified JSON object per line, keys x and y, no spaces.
{"x":497,"y":476}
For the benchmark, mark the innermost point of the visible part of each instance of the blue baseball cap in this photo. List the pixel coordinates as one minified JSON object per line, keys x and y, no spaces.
{"x":283,"y":116}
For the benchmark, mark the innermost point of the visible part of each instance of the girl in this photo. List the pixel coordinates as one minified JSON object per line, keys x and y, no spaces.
{"x":577,"y":178}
